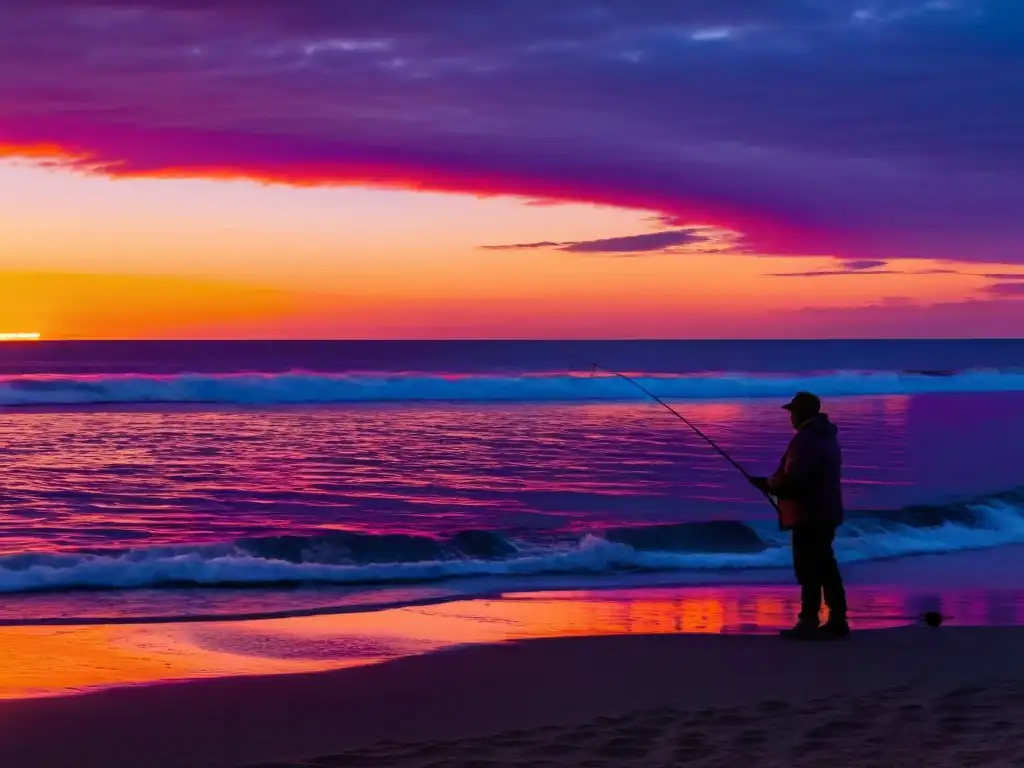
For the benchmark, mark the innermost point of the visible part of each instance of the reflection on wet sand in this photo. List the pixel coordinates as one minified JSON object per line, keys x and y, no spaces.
{"x":44,"y":661}
{"x":47,"y":661}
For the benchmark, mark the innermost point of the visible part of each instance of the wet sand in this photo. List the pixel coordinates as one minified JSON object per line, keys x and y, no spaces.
{"x":62,"y":660}
{"x":951,"y":696}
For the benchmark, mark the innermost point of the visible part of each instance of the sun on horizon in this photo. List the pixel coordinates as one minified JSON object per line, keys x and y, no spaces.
{"x":11,"y":336}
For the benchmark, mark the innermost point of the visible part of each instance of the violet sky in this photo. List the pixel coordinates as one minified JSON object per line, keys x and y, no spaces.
{"x":869,"y":131}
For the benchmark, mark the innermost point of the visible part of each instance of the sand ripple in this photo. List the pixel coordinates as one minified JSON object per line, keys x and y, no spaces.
{"x":899,"y":726}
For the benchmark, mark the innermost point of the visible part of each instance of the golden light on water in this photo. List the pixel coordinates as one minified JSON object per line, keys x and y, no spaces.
{"x":20,"y":336}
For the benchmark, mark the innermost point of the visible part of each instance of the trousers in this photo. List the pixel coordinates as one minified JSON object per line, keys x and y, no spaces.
{"x":817,"y":572}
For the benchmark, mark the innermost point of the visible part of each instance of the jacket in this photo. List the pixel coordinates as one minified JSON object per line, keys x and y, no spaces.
{"x":807,"y":482}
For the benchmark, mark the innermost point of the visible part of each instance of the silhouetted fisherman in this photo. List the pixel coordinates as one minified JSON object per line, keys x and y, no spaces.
{"x":810,"y":498}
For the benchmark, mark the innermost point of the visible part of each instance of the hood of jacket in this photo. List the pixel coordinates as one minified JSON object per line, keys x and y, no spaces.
{"x":820,"y":426}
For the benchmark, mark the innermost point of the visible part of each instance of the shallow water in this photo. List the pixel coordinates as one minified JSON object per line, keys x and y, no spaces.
{"x":113,"y":478}
{"x":140,"y":498}
{"x":264,"y":508}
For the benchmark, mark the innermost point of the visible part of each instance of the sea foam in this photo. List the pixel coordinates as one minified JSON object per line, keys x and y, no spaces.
{"x":310,"y":388}
{"x":341,"y":558}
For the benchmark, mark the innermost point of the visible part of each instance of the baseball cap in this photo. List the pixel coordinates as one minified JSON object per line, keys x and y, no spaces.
{"x":804,"y":402}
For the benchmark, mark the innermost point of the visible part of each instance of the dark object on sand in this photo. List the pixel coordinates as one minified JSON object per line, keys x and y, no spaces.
{"x":933,"y":618}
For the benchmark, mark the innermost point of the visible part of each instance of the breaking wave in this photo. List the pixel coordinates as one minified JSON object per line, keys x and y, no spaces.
{"x":300,"y":387}
{"x":344,"y":558}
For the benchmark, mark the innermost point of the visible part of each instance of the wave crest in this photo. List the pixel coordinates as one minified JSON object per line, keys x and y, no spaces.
{"x":342,"y":558}
{"x":306,"y":388}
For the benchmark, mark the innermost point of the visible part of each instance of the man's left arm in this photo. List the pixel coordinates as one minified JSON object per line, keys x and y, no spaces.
{"x":795,"y":472}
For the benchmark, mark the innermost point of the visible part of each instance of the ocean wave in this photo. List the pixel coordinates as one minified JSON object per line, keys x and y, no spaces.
{"x":342,"y":558}
{"x":307,"y":388}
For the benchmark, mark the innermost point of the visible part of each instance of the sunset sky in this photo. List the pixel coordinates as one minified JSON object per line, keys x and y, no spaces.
{"x":511,"y":168}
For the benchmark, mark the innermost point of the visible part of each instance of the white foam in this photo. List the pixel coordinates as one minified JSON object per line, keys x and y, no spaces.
{"x":305,"y":388}
{"x":221,"y":565}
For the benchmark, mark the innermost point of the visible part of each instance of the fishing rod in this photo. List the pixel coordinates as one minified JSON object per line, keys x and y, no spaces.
{"x":678,"y":415}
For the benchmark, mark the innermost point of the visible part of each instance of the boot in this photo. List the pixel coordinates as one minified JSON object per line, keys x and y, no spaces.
{"x":834,"y":629}
{"x":802,"y":630}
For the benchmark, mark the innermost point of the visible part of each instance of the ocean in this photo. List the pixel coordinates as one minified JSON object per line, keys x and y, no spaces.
{"x":181,"y":481}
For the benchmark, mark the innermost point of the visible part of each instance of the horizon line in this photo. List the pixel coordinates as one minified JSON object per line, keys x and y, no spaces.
{"x":40,"y":340}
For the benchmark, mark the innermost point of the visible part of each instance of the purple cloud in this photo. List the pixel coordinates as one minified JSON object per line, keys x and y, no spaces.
{"x":836,"y":272}
{"x":901,"y":317}
{"x":866,"y":267}
{"x":652,"y":241}
{"x":523,"y":246}
{"x":1007,"y":289}
{"x":645,"y":243}
{"x":863,"y":265}
{"x":813,"y":128}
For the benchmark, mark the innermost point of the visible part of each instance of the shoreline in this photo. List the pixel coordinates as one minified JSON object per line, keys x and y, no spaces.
{"x":486,"y":689}
{"x":979,"y":566}
{"x":972,"y":589}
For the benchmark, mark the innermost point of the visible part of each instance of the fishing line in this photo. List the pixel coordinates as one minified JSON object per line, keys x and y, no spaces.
{"x":931,"y":618}
{"x":596,"y":367}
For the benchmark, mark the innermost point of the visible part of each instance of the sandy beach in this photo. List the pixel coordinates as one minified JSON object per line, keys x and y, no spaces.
{"x":951,"y":696}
